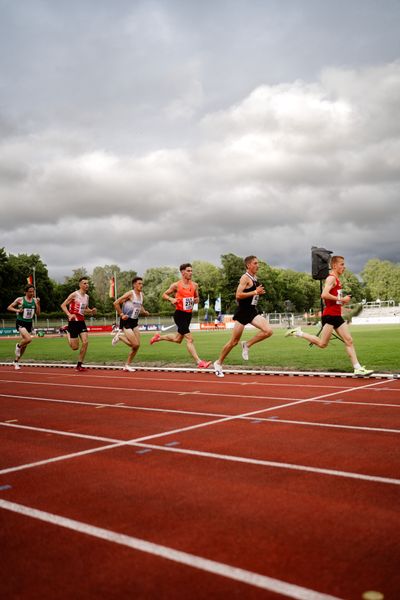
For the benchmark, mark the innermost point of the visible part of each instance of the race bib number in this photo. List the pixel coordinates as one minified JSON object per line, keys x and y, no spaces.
{"x":28,"y":314}
{"x":135,"y":312}
{"x":188,"y":303}
{"x":255,"y":300}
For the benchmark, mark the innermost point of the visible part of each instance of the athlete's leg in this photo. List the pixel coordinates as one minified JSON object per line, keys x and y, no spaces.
{"x":84,"y":346}
{"x":265,"y":330}
{"x":236,"y":335}
{"x":191,"y":347}
{"x":344,"y":333}
{"x":321,"y":342}
{"x":133,"y":336}
{"x":176,"y":338}
{"x":26,"y":339}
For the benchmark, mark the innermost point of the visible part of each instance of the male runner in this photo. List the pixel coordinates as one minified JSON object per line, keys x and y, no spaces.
{"x":332,"y":319}
{"x":76,"y":306}
{"x":183,"y":294}
{"x":247,"y":296}
{"x":130,"y":307}
{"x":25,"y":307}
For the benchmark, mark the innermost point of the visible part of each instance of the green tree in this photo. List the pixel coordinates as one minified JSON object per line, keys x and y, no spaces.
{"x":232,"y":270}
{"x":382,"y":280}
{"x":155,"y":281}
{"x":17,"y":269}
{"x":209,"y":279}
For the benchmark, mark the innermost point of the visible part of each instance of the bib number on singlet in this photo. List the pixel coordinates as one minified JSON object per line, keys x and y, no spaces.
{"x":135,"y":312}
{"x":28,"y":314}
{"x":188,"y":303}
{"x":255,"y":300}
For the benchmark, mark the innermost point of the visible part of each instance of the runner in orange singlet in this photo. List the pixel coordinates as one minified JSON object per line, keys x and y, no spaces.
{"x":183,"y":294}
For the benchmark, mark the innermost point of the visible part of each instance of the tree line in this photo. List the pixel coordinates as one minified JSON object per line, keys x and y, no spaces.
{"x":286,"y":290}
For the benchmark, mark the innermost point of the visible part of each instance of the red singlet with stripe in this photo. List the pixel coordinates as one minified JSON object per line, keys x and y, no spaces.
{"x":185,"y":296}
{"x":78,"y":305}
{"x":332,"y":308}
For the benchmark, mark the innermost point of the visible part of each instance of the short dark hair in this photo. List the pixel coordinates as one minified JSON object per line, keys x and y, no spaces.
{"x":248,"y":259}
{"x":28,"y":287}
{"x":82,"y":278}
{"x":135,"y":279}
{"x":184,"y":266}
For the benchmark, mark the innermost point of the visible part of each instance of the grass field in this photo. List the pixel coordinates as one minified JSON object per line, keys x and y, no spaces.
{"x":378,"y":347}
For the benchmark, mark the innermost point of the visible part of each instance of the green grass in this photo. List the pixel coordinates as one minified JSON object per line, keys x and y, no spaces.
{"x":378,"y":347}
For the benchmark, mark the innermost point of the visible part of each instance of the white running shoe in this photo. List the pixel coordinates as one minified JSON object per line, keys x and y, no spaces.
{"x":363,"y":372}
{"x":115,"y":339}
{"x":296,"y":332}
{"x":218,"y":369}
{"x":17,"y":351}
{"x":17,"y":366}
{"x":129,"y":368}
{"x":245,"y":351}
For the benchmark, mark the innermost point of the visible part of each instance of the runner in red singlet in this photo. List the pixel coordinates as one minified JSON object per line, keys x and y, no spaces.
{"x":183,"y":294}
{"x":76,"y":306}
{"x":332,"y":319}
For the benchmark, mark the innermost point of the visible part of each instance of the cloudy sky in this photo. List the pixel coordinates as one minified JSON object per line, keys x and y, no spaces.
{"x":148,"y":133}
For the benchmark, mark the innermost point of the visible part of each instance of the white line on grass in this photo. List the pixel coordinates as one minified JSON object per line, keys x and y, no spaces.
{"x":184,"y":558}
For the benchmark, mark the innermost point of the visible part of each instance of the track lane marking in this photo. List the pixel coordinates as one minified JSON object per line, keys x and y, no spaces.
{"x":264,"y":582}
{"x":136,"y":441}
{"x":202,"y":414}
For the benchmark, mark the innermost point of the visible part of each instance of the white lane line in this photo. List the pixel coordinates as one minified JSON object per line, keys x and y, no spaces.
{"x":174,"y":431}
{"x":264,"y":582}
{"x":151,"y":390}
{"x":203,"y":414}
{"x":112,"y":443}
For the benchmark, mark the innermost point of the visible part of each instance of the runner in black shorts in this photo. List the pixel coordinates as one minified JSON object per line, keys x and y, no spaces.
{"x":130,"y":307}
{"x":332,"y":319}
{"x":183,"y":294}
{"x":25,"y":307}
{"x":247,"y":295}
{"x":76,"y":306}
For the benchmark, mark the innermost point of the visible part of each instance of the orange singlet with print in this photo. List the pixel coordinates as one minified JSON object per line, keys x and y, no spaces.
{"x":185,"y":295}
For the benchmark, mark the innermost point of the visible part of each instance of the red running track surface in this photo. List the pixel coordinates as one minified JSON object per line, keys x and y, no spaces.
{"x":177,"y":485}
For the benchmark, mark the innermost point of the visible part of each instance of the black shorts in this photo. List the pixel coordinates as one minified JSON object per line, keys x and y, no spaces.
{"x":28,"y":326}
{"x":128,"y":323}
{"x":182,"y":321}
{"x":245,"y":315}
{"x":75,"y":328}
{"x":336,"y":322}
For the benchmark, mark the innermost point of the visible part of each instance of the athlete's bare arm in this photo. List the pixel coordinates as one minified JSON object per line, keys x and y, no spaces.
{"x":244,"y":283}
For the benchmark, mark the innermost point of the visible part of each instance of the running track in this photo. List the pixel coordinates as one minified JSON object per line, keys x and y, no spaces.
{"x":181,"y":485}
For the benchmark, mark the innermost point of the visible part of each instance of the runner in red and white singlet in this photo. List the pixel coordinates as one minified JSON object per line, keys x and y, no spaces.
{"x":76,"y":306}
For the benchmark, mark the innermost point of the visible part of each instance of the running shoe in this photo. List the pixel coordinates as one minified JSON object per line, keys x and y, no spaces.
{"x":294,"y":331}
{"x":17,"y":351}
{"x":218,"y":369}
{"x":17,"y":366}
{"x":155,"y":338}
{"x":115,"y":339}
{"x":203,"y":364}
{"x":362,"y":372}
{"x":81,"y":369}
{"x":129,"y":368}
{"x":245,"y":351}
